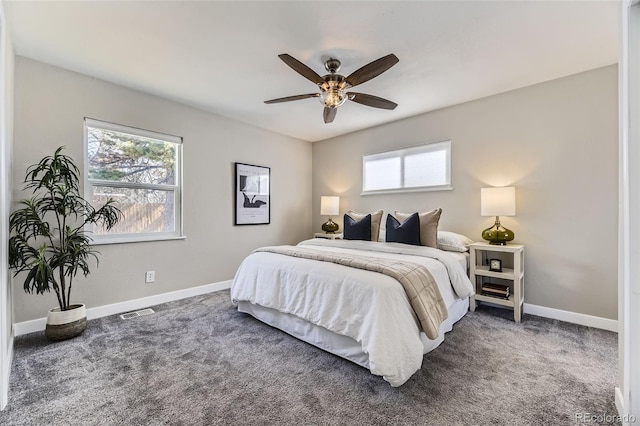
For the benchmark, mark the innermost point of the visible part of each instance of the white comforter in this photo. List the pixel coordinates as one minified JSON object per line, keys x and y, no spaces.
{"x":369,"y":307}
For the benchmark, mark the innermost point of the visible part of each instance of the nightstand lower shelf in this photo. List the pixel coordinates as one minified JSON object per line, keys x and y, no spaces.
{"x":510,"y":302}
{"x":496,"y":300}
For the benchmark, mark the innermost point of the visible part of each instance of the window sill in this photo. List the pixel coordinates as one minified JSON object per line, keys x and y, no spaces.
{"x":134,"y":239}
{"x":401,"y":190}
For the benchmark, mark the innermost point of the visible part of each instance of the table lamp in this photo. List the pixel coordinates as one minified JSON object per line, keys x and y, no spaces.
{"x":498,"y":202}
{"x":329,"y":206}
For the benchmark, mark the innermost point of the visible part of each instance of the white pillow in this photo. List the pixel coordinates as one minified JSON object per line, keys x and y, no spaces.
{"x":451,"y":241}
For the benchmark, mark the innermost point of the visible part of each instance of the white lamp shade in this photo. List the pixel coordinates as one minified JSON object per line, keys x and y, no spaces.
{"x":498,"y":201}
{"x":329,"y":205}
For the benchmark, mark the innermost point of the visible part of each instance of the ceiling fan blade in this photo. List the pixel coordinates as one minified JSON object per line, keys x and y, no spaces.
{"x":292,"y":98}
{"x":372,"y":101}
{"x":371,"y":70}
{"x":301,"y":68}
{"x":329,"y":114}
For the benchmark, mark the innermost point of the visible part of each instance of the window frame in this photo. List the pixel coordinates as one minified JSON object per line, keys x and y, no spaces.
{"x":177,"y":187}
{"x":402,"y":153}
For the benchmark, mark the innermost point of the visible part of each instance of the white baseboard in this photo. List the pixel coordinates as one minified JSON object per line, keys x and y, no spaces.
{"x":39,"y":324}
{"x":573,"y":317}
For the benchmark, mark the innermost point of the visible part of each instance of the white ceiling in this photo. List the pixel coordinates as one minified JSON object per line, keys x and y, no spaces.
{"x":222,"y":56}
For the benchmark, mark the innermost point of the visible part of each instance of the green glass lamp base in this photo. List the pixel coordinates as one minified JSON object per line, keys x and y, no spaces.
{"x":330,"y":227}
{"x":498,"y":234}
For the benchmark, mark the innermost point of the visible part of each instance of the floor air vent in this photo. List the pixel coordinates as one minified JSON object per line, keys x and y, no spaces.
{"x":137,"y":314}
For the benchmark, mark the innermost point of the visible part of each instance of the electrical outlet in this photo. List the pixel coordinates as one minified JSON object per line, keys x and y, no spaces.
{"x":150,"y":276}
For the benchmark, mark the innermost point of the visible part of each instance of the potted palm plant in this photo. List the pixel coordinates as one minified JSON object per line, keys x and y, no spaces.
{"x":49,"y":242}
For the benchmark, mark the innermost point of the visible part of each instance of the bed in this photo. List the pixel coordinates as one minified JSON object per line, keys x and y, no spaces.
{"x":360,"y":315}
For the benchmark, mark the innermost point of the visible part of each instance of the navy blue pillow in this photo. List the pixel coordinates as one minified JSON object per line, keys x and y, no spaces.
{"x":407,"y":232}
{"x":354,"y":230}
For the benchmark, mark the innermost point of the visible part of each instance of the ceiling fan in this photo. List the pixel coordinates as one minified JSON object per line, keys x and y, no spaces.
{"x":333,"y":86}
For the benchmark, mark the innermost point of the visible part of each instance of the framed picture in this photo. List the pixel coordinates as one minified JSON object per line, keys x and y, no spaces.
{"x":252,"y":195}
{"x":495,"y":265}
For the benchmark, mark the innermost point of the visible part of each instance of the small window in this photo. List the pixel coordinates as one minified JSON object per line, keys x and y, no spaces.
{"x":420,"y":168}
{"x":142,"y":172}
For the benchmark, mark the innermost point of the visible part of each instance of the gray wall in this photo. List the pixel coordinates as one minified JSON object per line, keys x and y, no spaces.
{"x":50,"y":104}
{"x":555,"y":141}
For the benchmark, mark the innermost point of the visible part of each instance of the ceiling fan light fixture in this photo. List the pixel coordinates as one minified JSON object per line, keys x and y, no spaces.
{"x":333,"y":98}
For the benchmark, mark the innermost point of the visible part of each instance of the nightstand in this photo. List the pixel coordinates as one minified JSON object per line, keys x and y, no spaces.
{"x":328,"y":236}
{"x":481,"y":272}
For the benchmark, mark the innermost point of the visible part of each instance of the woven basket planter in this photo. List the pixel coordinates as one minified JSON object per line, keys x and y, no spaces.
{"x":63,"y":325}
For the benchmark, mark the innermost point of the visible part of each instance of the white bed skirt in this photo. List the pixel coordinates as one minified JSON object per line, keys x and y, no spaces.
{"x":343,"y":346}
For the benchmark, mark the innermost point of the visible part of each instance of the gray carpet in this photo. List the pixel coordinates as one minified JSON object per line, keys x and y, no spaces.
{"x":199,"y":362}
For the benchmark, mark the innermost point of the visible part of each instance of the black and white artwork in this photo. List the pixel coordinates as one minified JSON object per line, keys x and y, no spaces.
{"x":253,"y":206}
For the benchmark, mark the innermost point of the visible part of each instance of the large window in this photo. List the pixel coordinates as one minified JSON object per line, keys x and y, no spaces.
{"x":420,"y":168}
{"x":141,"y":171}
